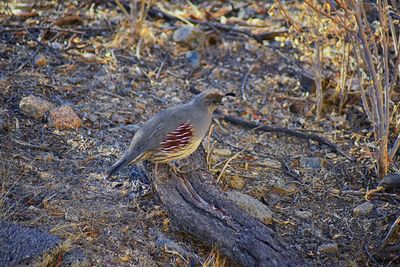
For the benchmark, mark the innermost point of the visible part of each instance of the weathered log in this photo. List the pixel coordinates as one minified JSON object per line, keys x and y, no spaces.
{"x":197,"y":207}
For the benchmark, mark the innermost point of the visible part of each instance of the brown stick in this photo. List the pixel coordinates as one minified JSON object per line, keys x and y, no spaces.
{"x":278,"y":129}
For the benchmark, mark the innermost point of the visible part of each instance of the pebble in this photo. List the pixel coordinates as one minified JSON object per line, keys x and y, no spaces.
{"x":35,"y":107}
{"x":236,"y":182}
{"x":194,"y":58}
{"x":64,"y":118}
{"x":189,"y":36}
{"x":40,"y":60}
{"x":331,"y":248}
{"x":312,"y":162}
{"x":363,"y":209}
{"x":303,"y":214}
{"x":251,"y":205}
{"x":223,"y":152}
{"x":171,"y":246}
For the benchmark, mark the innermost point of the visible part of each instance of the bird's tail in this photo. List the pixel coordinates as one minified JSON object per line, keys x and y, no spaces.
{"x":128,"y":157}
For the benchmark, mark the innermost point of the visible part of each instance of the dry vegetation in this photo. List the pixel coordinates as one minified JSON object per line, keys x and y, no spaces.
{"x":329,"y":69}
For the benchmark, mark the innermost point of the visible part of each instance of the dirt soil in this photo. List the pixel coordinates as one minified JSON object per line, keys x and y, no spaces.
{"x":54,"y":179}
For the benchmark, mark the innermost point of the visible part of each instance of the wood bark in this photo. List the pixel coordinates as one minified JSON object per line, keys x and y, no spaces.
{"x":196,"y":206}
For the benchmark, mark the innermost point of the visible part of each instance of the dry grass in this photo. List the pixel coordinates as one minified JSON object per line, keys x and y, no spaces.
{"x":215,"y":259}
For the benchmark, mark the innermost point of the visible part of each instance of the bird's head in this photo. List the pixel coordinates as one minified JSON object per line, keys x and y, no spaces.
{"x":212,"y":99}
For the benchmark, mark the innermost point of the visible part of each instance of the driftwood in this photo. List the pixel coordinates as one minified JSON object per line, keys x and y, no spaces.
{"x":197,"y":207}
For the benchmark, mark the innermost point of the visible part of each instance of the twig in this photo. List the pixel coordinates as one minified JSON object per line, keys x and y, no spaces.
{"x":229,"y":160}
{"x":278,"y":129}
{"x":317,"y":72}
{"x":258,"y":37}
{"x":209,"y":147}
{"x":161,"y":66}
{"x":28,"y":60}
{"x":22,"y":143}
{"x":47,"y":28}
{"x":322,"y":12}
{"x":394,"y":149}
{"x":378,"y":194}
{"x":286,"y":15}
{"x":390,"y":233}
{"x":370,"y":255}
{"x":246,"y":77}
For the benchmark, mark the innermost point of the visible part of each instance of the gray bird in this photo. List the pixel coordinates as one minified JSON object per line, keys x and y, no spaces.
{"x":173,"y":133}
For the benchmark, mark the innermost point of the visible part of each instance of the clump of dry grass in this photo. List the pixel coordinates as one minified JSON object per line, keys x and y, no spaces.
{"x":358,"y":40}
{"x":135,"y":23}
{"x":215,"y":259}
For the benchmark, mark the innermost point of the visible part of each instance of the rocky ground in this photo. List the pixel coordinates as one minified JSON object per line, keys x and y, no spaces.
{"x":70,"y":100}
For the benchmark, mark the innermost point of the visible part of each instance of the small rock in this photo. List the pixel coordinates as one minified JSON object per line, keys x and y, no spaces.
{"x":223,"y":152}
{"x":35,"y":107}
{"x":236,"y":182}
{"x":281,"y":188}
{"x":251,"y":205}
{"x":194,"y":58}
{"x":23,"y":246}
{"x":331,"y":248}
{"x":64,"y":118}
{"x":251,"y":47}
{"x":189,"y":36}
{"x":171,"y":246}
{"x":75,"y":80}
{"x":391,"y":182}
{"x":303,"y":214}
{"x":363,"y":209}
{"x":40,"y":60}
{"x":312,"y":162}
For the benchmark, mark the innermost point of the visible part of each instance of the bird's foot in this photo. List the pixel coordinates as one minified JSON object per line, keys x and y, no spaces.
{"x":177,"y":169}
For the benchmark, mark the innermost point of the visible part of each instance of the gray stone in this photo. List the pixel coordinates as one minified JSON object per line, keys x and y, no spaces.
{"x":35,"y":107}
{"x":331,"y":248}
{"x":189,"y":36}
{"x":251,"y":205}
{"x":303,"y":214}
{"x":23,"y":246}
{"x":312,"y":162}
{"x":171,"y":246}
{"x":363,"y":209}
{"x":194,"y":58}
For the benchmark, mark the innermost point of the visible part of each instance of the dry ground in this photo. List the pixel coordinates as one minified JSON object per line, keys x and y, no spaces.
{"x":54,"y":180}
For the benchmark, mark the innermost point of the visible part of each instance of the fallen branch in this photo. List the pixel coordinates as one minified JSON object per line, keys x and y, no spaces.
{"x":196,"y":206}
{"x":278,"y":129}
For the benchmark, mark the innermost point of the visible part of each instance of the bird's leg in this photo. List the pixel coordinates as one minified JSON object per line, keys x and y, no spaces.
{"x":176,"y":169}
{"x":156,"y":169}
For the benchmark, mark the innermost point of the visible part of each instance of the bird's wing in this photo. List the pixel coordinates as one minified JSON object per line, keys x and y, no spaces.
{"x":162,"y":129}
{"x":178,"y":138}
